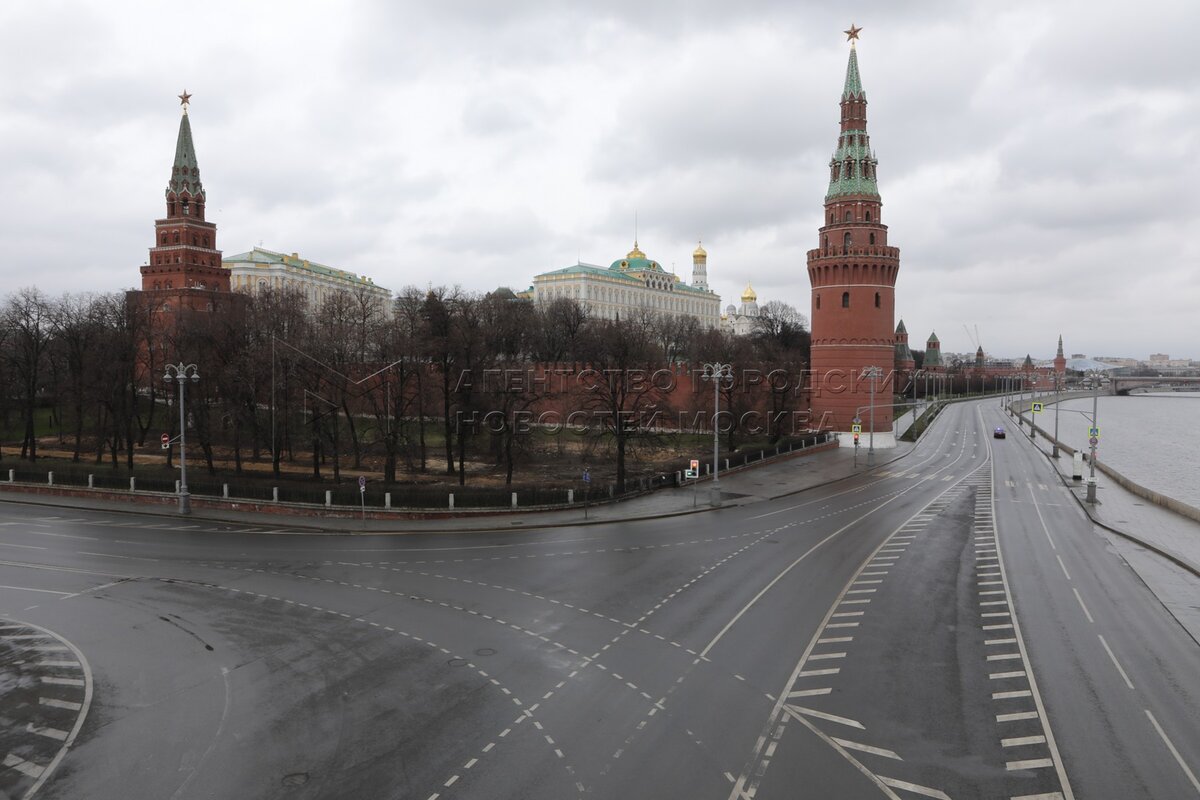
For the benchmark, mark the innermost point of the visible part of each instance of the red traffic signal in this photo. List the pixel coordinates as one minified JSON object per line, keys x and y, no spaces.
{"x":856,"y":438}
{"x":166,"y":440}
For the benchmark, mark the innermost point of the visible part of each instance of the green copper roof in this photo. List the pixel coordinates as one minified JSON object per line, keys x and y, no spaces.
{"x":185,"y":172}
{"x":933,"y":338}
{"x":853,"y":86}
{"x":900,"y":328}
{"x":635,"y":265}
{"x":903,"y":353}
{"x":631,"y":276}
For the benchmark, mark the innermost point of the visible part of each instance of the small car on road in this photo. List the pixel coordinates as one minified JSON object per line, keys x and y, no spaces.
{"x":999,"y":433}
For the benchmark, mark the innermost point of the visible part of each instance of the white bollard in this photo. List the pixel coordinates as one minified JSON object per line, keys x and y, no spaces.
{"x":514,"y":499}
{"x":452,"y":500}
{"x":12,"y":476}
{"x":132,"y":484}
{"x":274,"y":494}
{"x":49,"y":478}
{"x":387,"y":500}
{"x":225,"y":490}
{"x":328,"y":498}
{"x":91,"y":481}
{"x":176,"y":487}
{"x":571,"y":494}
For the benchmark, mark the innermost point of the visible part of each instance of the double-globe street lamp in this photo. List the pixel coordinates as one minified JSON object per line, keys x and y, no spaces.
{"x":717,"y":372}
{"x":874,"y":373}
{"x":181,"y":373}
{"x":1096,"y":376}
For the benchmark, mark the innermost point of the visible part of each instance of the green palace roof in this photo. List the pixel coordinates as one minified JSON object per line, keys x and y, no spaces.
{"x":270,"y":258}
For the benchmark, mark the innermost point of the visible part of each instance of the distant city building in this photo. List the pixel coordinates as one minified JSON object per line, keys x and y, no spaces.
{"x":260,"y":269}
{"x":741,"y":320}
{"x":632,"y":284}
{"x":1159,"y":358}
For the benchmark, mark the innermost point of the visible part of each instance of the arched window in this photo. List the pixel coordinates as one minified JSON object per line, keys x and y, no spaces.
{"x":169,"y":285}
{"x":845,"y":299}
{"x":849,"y":216}
{"x":877,"y":300}
{"x":184,"y":203}
{"x":206,"y":240}
{"x":818,"y":301}
{"x":176,"y":237}
{"x":195,"y":240}
{"x":868,"y":217}
{"x":826,"y":242}
{"x":872,"y":238}
{"x":846,"y":243}
{"x":164,"y":237}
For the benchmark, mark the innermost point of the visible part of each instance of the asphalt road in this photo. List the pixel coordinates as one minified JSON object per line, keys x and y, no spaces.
{"x":949,"y":626}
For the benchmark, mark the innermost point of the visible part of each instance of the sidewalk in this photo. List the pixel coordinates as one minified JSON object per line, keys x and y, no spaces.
{"x":776,"y":478}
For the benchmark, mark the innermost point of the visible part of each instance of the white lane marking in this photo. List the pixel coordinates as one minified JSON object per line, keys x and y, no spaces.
{"x":1018,"y":741}
{"x":1064,"y":567}
{"x":1011,"y":695}
{"x":1031,"y":763}
{"x":866,"y":748}
{"x":53,"y":733}
{"x":22,"y":546}
{"x":1086,"y":613}
{"x":82,"y":708}
{"x":1017,"y":717}
{"x":1170,"y":746}
{"x":999,"y":676}
{"x":31,"y":589}
{"x":1051,"y":744}
{"x":811,"y":673}
{"x":23,"y":766}
{"x":915,"y":788}
{"x":62,"y":681}
{"x":809,"y":692}
{"x":1046,"y":796}
{"x":1116,"y":663}
{"x":850,"y":723}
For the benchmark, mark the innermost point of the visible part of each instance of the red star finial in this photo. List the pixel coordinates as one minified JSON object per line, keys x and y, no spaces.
{"x":184,"y":99}
{"x":852,"y":34}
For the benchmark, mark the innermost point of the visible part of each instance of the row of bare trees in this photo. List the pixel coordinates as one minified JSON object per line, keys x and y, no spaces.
{"x":427,"y":385}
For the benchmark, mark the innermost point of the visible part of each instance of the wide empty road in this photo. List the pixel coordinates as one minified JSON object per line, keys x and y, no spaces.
{"x":947,"y":626}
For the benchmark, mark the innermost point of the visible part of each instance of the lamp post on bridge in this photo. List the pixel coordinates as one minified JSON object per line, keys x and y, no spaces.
{"x":716,"y":372}
{"x":1096,"y":375}
{"x":180,"y":373}
{"x":874,"y":373}
{"x":1057,"y":403}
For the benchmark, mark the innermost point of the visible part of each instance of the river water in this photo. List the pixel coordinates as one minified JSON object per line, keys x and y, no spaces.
{"x":1152,"y":439}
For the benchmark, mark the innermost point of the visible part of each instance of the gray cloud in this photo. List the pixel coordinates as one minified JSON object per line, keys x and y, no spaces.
{"x":1037,"y":162}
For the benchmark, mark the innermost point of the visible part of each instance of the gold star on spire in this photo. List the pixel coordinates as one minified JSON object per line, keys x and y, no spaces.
{"x":852,"y":34}
{"x":184,"y":99}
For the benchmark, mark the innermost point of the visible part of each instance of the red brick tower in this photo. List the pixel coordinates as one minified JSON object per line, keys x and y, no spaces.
{"x":853,"y":276}
{"x":1060,"y":359}
{"x":185,"y":255}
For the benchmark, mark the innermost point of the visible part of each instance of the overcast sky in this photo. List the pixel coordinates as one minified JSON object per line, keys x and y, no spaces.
{"x":1037,"y":161}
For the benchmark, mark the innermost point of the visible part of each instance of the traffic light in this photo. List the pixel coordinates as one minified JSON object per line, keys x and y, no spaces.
{"x":166,"y":441}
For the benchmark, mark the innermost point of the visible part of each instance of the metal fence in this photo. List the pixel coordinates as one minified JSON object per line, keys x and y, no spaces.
{"x":378,"y":496}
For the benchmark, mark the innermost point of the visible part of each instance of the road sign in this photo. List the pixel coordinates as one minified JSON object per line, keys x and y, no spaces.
{"x":587,"y":475}
{"x":856,"y":428}
{"x":166,"y":441}
{"x":362,"y":483}
{"x":1094,"y":433}
{"x":857,"y":420}
{"x":1037,"y":408}
{"x":1094,"y":441}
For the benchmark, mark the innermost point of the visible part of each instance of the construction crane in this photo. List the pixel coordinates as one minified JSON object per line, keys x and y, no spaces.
{"x":974,"y":339}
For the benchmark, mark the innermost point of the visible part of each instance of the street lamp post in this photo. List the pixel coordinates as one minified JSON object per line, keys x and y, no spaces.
{"x":873,"y":373}
{"x":1096,"y":376}
{"x":1057,"y":403}
{"x":180,"y":373}
{"x":716,"y":372}
{"x":1032,"y":415}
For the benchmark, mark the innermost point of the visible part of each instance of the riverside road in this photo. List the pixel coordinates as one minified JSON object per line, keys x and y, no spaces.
{"x":949,"y":625}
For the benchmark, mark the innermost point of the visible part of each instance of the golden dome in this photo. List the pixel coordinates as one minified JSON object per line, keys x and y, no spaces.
{"x":635,"y":252}
{"x":699,"y":252}
{"x":749,"y":295}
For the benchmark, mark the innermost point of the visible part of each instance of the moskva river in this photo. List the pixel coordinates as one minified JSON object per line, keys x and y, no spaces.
{"x":1152,"y":439}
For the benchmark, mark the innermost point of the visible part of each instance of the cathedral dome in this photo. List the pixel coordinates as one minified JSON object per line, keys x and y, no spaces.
{"x":699,"y":252}
{"x":749,"y":296}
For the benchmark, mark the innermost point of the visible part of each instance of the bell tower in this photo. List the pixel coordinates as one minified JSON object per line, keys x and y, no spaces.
{"x":185,"y":254}
{"x":853,"y":275}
